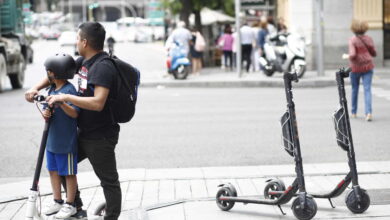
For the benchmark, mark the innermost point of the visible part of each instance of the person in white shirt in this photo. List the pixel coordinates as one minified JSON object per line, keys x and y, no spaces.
{"x":181,"y":35}
{"x":247,"y":39}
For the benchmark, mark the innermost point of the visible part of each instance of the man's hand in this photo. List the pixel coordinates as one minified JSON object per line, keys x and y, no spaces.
{"x":345,"y":56}
{"x":29,"y":95}
{"x":56,"y":99}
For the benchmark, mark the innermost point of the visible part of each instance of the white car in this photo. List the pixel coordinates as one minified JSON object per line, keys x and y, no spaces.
{"x":68,"y":38}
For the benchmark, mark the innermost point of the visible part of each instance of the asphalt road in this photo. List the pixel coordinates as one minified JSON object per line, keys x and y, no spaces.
{"x":190,"y":127}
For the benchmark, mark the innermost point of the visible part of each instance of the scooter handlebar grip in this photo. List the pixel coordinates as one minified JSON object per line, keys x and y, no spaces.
{"x":39,"y":98}
{"x":345,"y":72}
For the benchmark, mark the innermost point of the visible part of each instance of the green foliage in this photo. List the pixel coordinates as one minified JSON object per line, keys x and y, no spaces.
{"x":227,"y":6}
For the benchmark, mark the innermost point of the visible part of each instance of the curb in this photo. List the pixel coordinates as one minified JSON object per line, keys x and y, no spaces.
{"x":278,"y":83}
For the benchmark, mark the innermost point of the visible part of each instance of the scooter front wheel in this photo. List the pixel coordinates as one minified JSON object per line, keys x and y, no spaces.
{"x":307,"y":212}
{"x":356,"y":206}
{"x":224,"y":205}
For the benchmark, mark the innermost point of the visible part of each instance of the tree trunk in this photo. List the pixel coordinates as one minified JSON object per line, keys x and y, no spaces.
{"x":186,"y":11}
{"x":198,"y":21}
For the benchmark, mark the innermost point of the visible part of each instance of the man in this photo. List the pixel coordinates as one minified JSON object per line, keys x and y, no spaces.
{"x":181,"y":35}
{"x":247,"y":39}
{"x":98,"y":133}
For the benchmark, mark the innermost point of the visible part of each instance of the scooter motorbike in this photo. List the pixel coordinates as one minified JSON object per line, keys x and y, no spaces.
{"x":32,"y":208}
{"x":304,"y":206}
{"x":357,"y":199}
{"x":177,"y":63}
{"x":284,"y":53}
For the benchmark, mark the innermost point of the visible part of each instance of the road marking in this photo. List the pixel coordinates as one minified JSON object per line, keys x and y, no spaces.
{"x":382,"y":93}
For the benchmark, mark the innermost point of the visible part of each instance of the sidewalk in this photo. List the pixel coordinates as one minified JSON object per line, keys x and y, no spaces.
{"x":216,"y":77}
{"x":189,"y":193}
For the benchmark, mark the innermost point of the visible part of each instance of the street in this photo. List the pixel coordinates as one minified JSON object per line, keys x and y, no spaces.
{"x":198,"y":127}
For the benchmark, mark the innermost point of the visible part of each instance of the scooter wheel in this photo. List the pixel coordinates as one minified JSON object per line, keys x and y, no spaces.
{"x":225,"y":205}
{"x":181,"y":72}
{"x":274,"y":185}
{"x":100,"y":210}
{"x":307,"y":212}
{"x":354,"y":205}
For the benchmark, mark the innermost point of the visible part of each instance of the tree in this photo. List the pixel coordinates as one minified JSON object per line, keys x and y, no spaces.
{"x":185,"y":7}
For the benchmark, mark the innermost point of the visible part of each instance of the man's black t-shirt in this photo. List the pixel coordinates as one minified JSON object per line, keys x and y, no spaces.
{"x":94,"y":124}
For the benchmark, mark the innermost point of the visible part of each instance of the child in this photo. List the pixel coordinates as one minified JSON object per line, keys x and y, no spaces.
{"x":61,"y":147}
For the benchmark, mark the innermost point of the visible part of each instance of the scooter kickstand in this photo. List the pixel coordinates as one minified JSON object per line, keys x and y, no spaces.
{"x":331,"y":204}
{"x":281,"y":210}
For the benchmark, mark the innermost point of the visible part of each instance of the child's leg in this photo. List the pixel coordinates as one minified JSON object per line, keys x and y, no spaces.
{"x":55,"y":185}
{"x":71,"y":187}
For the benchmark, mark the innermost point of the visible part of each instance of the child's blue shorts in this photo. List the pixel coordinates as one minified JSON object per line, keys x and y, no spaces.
{"x":64,"y":164}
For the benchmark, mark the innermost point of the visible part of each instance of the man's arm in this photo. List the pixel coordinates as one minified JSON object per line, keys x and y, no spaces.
{"x":29,"y":95}
{"x":93,"y":103}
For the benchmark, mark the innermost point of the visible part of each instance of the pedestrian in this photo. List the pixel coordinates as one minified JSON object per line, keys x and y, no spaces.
{"x":98,"y":133}
{"x":226,"y":44}
{"x":180,"y":35}
{"x":110,"y":44}
{"x":247,"y":39}
{"x":197,"y":46}
{"x":281,"y":26}
{"x":61,"y":146}
{"x":361,"y":53}
{"x":261,"y":38}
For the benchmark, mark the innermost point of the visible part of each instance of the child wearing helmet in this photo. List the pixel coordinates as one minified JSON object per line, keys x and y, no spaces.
{"x":61,"y":147}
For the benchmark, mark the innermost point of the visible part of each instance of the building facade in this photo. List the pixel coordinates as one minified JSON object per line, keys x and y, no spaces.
{"x":300,"y":16}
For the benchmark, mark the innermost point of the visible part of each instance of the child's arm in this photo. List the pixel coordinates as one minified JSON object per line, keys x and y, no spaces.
{"x":69,"y":110}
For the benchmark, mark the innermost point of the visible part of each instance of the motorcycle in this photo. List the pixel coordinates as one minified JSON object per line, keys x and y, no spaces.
{"x":177,"y":63}
{"x":284,"y":53}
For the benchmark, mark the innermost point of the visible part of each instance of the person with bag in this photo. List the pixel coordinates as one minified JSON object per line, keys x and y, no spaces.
{"x":225,"y":42}
{"x":97,"y":124}
{"x":197,"y":46}
{"x":361,"y":53}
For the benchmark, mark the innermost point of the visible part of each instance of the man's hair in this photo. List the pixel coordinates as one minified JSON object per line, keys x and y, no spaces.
{"x":94,"y":33}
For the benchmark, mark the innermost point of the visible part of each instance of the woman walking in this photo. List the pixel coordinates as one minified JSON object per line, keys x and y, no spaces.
{"x":361,"y":53}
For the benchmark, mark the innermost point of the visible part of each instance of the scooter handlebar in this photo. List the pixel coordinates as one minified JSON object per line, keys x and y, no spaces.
{"x":291,"y":76}
{"x":344,"y":72}
{"x":39,"y":98}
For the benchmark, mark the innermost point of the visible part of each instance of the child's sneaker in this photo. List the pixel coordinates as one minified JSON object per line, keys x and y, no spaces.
{"x":53,"y":208}
{"x":66,"y":211}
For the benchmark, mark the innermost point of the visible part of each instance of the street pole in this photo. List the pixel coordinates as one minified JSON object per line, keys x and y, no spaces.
{"x":84,"y":10}
{"x":70,"y":11}
{"x":320,"y":36}
{"x":238,"y":37}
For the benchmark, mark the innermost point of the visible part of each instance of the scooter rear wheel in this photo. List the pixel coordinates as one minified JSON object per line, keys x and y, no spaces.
{"x":354,"y":205}
{"x":307,"y":212}
{"x":273,"y":185}
{"x":181,"y":72}
{"x":224,"y":205}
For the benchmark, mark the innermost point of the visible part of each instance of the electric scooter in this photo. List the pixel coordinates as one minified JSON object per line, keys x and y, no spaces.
{"x":32,"y":212}
{"x":357,"y":199}
{"x":304,"y":206}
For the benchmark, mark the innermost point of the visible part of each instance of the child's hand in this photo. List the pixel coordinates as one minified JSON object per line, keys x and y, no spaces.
{"x":46,"y":113}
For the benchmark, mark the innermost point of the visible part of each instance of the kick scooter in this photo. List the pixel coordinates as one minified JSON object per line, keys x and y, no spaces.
{"x":32,"y":212}
{"x":357,"y":199}
{"x":304,"y":207}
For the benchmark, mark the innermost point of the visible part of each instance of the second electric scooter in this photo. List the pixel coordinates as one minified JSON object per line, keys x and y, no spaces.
{"x":357,"y":199}
{"x":304,"y":207}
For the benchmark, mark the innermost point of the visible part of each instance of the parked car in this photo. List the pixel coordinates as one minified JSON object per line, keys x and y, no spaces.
{"x":68,"y":38}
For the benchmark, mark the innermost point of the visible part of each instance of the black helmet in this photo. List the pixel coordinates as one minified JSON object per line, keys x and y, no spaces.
{"x":62,"y":65}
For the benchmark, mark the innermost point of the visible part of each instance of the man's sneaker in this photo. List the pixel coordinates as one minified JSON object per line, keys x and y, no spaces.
{"x":53,"y":208}
{"x":80,"y":214}
{"x":353,"y":115}
{"x":66,"y":211}
{"x":368,"y":117}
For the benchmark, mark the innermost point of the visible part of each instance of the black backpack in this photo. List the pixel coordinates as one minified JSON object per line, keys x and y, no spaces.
{"x":122,"y":105}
